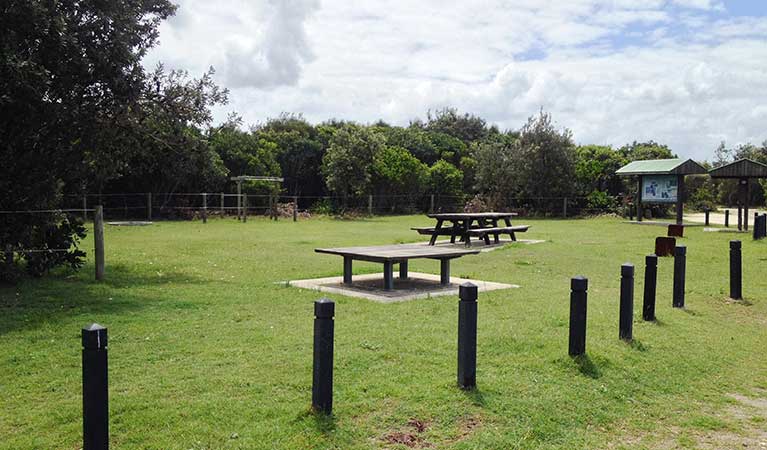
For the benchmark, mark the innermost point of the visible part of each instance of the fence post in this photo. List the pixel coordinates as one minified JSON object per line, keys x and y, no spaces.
{"x":204,"y":207}
{"x":564,"y":207}
{"x":736,"y":271}
{"x":370,"y":205}
{"x":626,"y":318}
{"x":680,"y":267}
{"x":707,"y":211}
{"x":149,"y":206}
{"x":244,"y":207}
{"x":740,"y":218}
{"x":95,"y":388}
{"x":295,"y":208}
{"x":578,"y":298}
{"x":85,"y":207}
{"x":223,"y":211}
{"x":98,"y":241}
{"x":650,"y":283}
{"x":727,"y":218}
{"x":322,"y":373}
{"x":431,"y":204}
{"x":467,"y":336}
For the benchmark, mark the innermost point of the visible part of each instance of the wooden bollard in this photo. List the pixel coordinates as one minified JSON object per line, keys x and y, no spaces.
{"x":578,"y":298}
{"x":95,"y":388}
{"x":680,"y":268}
{"x":467,"y":336}
{"x":707,"y":214}
{"x":625,"y":325}
{"x":322,"y":379}
{"x":650,"y":286}
{"x":98,"y":241}
{"x":727,"y":218}
{"x":736,"y":271}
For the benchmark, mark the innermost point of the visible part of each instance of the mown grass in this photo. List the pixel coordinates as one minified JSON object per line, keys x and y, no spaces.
{"x":208,"y":350}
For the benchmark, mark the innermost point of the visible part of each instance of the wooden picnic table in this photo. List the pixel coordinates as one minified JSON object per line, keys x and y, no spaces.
{"x":397,"y":254}
{"x":466,"y":225}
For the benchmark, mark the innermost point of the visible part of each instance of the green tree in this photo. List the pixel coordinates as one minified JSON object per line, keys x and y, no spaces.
{"x":397,"y":172}
{"x":245,"y":153}
{"x":645,"y":150}
{"x":595,"y":167}
{"x":497,"y":168}
{"x":347,"y":164}
{"x":466,"y":127}
{"x":446,"y":182}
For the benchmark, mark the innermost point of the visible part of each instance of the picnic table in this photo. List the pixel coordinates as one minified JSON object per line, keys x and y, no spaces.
{"x":465,"y":225}
{"x":397,"y":254}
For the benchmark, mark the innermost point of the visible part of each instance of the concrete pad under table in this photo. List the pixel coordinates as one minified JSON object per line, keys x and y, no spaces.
{"x":417,"y":285}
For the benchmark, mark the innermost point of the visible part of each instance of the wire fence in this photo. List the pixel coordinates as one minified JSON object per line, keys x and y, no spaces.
{"x":190,"y":206}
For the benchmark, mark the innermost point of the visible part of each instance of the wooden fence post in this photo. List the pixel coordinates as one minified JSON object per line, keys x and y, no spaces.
{"x":431,"y":204}
{"x":98,"y":241}
{"x":204,"y":207}
{"x":149,"y":206}
{"x":244,"y":207}
{"x":370,"y":205}
{"x":222,"y":204}
{"x":564,"y":207}
{"x":85,"y":207}
{"x":295,"y":208}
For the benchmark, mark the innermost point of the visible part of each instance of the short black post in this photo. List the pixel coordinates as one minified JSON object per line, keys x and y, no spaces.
{"x":467,"y":336}
{"x":707,"y":213}
{"x":322,"y":380}
{"x":578,"y":299}
{"x":650,"y":284}
{"x":736,"y":271}
{"x":740,"y":218}
{"x":95,"y":388}
{"x":680,"y":267}
{"x":727,"y":218}
{"x":627,"y":302}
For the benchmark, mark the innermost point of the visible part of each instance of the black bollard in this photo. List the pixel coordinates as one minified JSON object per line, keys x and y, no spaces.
{"x":740,"y":218}
{"x":650,"y":283}
{"x":727,"y":218}
{"x":578,"y":299}
{"x":467,"y":336}
{"x":680,"y":267}
{"x":707,"y":213}
{"x":736,"y":271}
{"x":95,"y":388}
{"x":322,"y":381}
{"x":626,"y":320}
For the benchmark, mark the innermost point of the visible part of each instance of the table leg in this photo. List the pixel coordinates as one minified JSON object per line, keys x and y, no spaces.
{"x":436,"y":232}
{"x":454,"y":232}
{"x":388,"y":276}
{"x":495,"y":235}
{"x":403,"y":270}
{"x":511,"y":233}
{"x":444,"y":271}
{"x":347,"y":270}
{"x":466,"y":228}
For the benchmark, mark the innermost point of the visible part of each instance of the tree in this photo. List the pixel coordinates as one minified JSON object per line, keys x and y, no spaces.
{"x":466,"y":127}
{"x":413,"y":139}
{"x":595,"y":167}
{"x":397,"y":172}
{"x":645,"y":150}
{"x":347,"y":164}
{"x":446,"y":181}
{"x":245,"y":153}
{"x":545,"y":160}
{"x":70,"y":78}
{"x":497,"y":167}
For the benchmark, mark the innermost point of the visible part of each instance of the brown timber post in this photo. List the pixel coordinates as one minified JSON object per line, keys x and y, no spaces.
{"x":149,"y":206}
{"x":295,"y":208}
{"x":85,"y":207}
{"x":679,"y":199}
{"x":745,"y":204}
{"x":640,"y":213}
{"x":98,"y":241}
{"x":221,"y":206}
{"x":204,"y":207}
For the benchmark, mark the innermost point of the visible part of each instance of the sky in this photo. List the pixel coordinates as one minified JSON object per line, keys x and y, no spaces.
{"x":686,"y":73}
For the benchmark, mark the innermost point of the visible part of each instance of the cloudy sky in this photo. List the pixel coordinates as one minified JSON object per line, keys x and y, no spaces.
{"x":688,"y":73}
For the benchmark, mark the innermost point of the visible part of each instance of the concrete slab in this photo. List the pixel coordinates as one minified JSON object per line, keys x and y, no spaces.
{"x":417,"y":285}
{"x":724,"y":230}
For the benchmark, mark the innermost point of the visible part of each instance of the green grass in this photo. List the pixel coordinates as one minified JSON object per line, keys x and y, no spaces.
{"x":208,"y":350}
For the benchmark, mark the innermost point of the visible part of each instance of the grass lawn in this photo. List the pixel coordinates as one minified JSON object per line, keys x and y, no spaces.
{"x":209,"y":351}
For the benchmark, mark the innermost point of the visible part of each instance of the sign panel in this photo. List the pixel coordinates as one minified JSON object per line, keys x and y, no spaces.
{"x":659,"y":188}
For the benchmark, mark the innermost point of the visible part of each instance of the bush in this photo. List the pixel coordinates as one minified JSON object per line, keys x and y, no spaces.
{"x":59,"y":248}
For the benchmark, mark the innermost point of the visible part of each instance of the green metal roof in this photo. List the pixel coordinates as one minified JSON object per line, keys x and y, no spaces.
{"x":676,"y":166}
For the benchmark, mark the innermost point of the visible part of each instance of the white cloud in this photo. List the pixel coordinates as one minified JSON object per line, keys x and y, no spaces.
{"x":681,"y":72}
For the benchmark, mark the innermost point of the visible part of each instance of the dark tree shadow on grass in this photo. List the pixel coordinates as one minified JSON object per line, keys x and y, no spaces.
{"x":61,"y":295}
{"x":475,"y":396}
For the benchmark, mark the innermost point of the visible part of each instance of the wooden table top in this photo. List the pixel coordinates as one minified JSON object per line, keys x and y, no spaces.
{"x":398,"y":252}
{"x":481,"y":215}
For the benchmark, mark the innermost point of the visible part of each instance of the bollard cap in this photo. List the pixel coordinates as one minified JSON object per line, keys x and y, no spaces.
{"x":579,"y":283}
{"x":324,"y":308}
{"x":467,"y":292}
{"x":94,"y":337}
{"x":735,"y":245}
{"x":680,"y":250}
{"x":627,"y":270}
{"x":651,"y":260}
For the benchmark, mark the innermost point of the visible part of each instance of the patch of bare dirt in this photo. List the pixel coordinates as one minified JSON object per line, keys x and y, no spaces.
{"x":411,"y":436}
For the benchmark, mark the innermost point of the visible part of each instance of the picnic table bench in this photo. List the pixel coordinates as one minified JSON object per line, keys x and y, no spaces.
{"x":464,"y":227}
{"x":397,"y":254}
